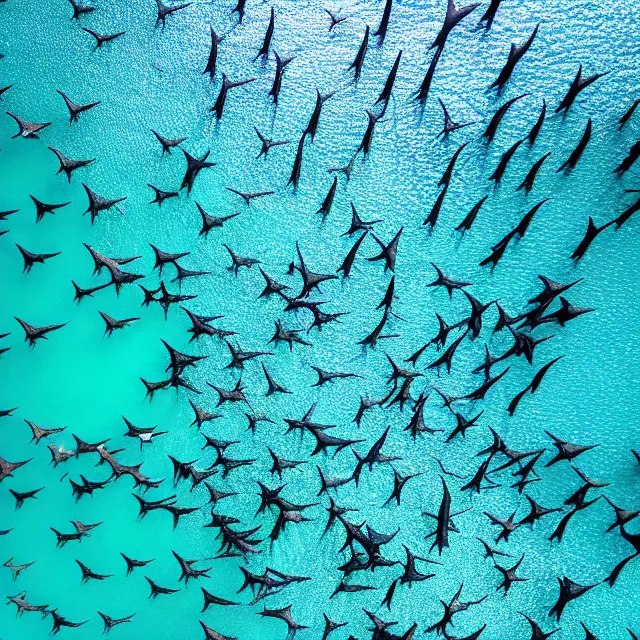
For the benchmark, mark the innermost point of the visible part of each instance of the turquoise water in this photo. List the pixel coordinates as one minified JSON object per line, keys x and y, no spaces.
{"x":153,"y":79}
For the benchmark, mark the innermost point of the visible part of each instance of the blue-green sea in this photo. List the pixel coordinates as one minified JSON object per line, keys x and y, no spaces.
{"x":151,"y":78}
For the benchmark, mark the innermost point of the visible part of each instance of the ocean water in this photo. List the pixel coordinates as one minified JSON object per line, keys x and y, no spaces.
{"x":152,"y":78}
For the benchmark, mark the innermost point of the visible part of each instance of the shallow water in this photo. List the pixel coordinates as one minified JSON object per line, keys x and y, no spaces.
{"x":153,"y":79}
